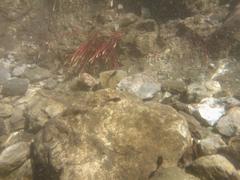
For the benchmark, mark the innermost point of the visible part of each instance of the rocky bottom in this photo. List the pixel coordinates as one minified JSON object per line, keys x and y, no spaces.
{"x":170,"y":111}
{"x":119,"y":126}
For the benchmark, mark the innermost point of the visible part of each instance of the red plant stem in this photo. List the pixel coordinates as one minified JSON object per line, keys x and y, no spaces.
{"x":96,"y":49}
{"x":82,"y":49}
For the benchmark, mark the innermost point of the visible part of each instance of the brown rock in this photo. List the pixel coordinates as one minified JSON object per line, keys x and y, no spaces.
{"x":212,"y":167}
{"x":109,"y":135}
{"x":229,"y":125}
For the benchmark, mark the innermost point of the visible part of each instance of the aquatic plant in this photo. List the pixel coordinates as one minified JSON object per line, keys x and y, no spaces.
{"x":98,"y":51}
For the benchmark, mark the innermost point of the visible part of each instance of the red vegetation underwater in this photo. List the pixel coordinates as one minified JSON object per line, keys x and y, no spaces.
{"x":98,"y":51}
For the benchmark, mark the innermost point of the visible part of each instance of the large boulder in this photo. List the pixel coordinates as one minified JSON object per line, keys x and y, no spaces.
{"x":108,"y":135}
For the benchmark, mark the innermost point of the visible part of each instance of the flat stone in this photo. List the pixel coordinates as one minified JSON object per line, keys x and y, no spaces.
{"x":13,"y":157}
{"x":15,"y":87}
{"x":36,"y":74}
{"x":229,"y":125}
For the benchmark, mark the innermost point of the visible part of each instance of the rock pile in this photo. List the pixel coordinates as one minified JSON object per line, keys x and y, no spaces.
{"x":170,"y":112}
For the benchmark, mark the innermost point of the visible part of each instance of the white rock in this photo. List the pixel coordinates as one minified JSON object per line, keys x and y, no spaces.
{"x":211,"y":110}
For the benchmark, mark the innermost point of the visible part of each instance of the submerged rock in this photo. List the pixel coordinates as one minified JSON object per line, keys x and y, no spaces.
{"x":16,"y":137}
{"x":127,"y":19}
{"x":210,"y":110}
{"x":232,"y":150}
{"x":229,"y":125}
{"x":36,"y":74}
{"x":17,"y":120}
{"x":40,"y":109}
{"x":198,"y":91}
{"x":50,"y":83}
{"x":197,"y":131}
{"x":6,"y":110}
{"x":213,"y":167}
{"x":174,"y":86}
{"x":146,"y":37}
{"x":211,"y":144}
{"x":15,"y":87}
{"x":22,"y":173}
{"x":3,"y":128}
{"x":84,"y":82}
{"x":231,"y":102}
{"x":172,"y":173}
{"x":4,"y":75}
{"x":13,"y":157}
{"x":19,"y":70}
{"x":107,"y":134}
{"x":110,"y":79}
{"x":141,"y":85}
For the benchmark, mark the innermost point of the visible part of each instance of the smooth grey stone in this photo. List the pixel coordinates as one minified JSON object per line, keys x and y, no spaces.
{"x":15,"y":87}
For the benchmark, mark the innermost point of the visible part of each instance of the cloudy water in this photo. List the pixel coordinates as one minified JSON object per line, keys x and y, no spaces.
{"x":119,"y":89}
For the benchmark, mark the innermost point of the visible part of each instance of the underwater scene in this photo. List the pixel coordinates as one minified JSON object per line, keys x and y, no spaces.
{"x":120,"y":90}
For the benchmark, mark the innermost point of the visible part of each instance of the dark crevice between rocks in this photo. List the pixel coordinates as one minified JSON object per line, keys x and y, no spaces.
{"x":160,"y":10}
{"x":191,"y":154}
{"x":158,"y":166}
{"x":41,"y":170}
